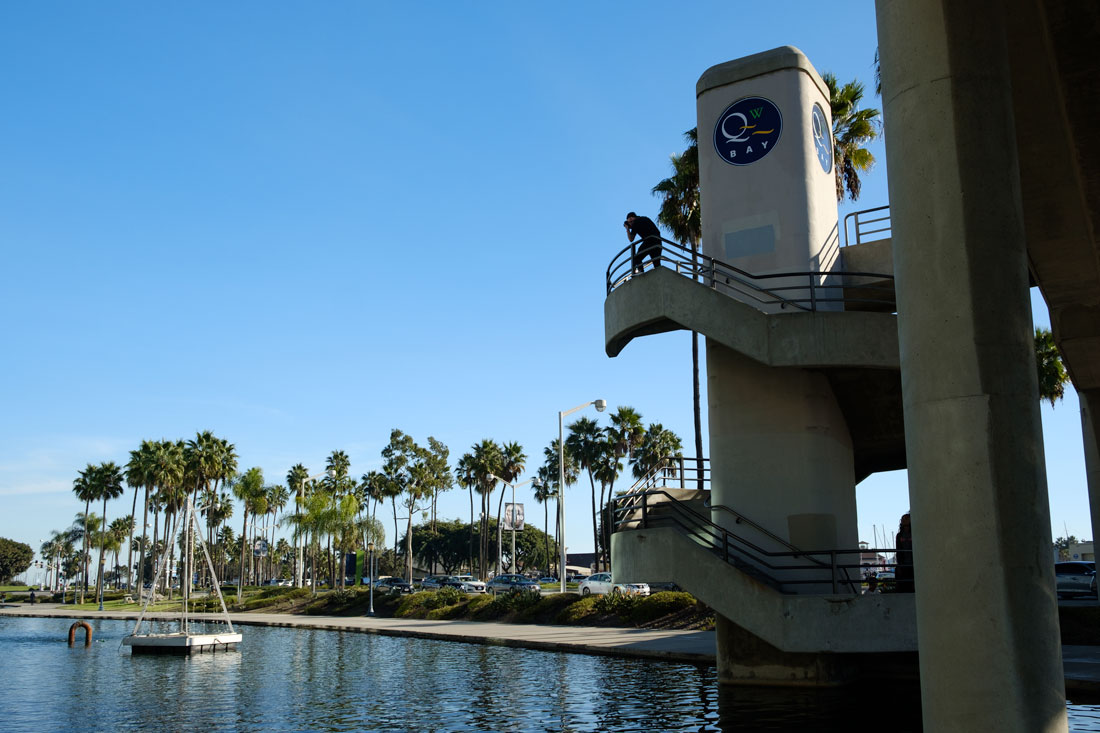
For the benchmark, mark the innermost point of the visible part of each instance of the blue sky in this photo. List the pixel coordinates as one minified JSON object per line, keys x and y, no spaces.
{"x":303,"y":225}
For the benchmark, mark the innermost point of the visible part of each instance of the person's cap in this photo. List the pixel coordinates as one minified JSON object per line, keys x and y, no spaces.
{"x":630,"y":215}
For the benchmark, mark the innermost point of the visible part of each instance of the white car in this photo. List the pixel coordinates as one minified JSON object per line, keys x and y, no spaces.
{"x":470,"y":584}
{"x":601,"y":584}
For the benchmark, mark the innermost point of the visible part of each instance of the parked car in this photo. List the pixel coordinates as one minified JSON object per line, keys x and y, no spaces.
{"x":435,"y":582}
{"x":601,"y":584}
{"x":470,"y":584}
{"x":548,"y":579}
{"x":1076,"y":578}
{"x":509,"y":581}
{"x":394,"y":586}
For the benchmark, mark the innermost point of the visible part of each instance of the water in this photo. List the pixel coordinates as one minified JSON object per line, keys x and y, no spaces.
{"x":301,"y":679}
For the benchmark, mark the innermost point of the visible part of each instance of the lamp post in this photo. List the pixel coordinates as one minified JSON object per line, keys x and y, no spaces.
{"x":370,"y":570}
{"x":601,"y":405}
{"x":512,"y":519}
{"x":299,"y":570}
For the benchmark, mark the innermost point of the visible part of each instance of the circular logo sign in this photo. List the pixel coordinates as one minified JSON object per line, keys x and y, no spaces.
{"x":823,"y":143}
{"x":747,"y":130}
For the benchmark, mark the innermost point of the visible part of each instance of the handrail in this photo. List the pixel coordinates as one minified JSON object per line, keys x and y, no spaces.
{"x":862,"y":222}
{"x":636,"y":511}
{"x":821,"y":286}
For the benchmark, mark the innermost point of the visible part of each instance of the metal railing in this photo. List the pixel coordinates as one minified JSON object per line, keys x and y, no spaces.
{"x":778,"y":569}
{"x":802,"y":290}
{"x":867,"y":224}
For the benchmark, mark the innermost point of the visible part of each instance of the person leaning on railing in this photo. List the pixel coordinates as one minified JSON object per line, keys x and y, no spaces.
{"x":650,"y":246}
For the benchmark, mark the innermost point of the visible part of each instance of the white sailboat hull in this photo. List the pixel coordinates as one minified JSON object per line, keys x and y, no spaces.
{"x":181,"y":643}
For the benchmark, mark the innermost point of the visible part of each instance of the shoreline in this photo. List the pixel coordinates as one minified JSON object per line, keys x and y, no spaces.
{"x":685,"y":647}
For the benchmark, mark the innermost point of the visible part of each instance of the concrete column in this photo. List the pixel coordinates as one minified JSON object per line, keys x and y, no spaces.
{"x":781,"y":455}
{"x":1089,"y":431}
{"x":986,"y":612}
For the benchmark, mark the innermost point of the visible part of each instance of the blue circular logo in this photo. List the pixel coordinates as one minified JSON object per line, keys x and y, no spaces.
{"x":747,"y":130}
{"x":823,"y":142}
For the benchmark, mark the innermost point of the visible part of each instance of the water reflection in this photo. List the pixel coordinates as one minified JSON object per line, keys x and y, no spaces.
{"x":290,"y":680}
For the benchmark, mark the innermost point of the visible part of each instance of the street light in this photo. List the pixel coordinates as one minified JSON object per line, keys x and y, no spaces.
{"x":512,"y":520}
{"x":370,"y":569}
{"x":601,"y":405}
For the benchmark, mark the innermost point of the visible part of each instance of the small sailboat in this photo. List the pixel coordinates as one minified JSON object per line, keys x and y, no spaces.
{"x":194,"y":635}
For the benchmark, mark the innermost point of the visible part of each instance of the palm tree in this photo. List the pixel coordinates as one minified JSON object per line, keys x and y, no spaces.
{"x":852,"y":129}
{"x":167,"y":477}
{"x":108,"y":486}
{"x":139,"y":475}
{"x":681,"y":214}
{"x":296,"y":481}
{"x":248,"y":488}
{"x":551,"y":473}
{"x":466,"y":476}
{"x":1052,"y":372}
{"x":84,"y":486}
{"x":486,"y":460}
{"x":660,"y":450}
{"x":586,"y":442}
{"x":511,"y":466}
{"x":117,"y":533}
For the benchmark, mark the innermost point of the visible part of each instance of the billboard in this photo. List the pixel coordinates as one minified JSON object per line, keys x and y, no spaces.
{"x":513,"y":517}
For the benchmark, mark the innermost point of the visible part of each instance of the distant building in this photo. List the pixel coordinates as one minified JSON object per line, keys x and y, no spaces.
{"x":1082,"y":551}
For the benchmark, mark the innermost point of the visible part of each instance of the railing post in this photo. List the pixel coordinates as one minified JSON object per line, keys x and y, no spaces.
{"x":813,"y":293}
{"x":681,"y":472}
{"x":832,"y":556}
{"x":645,"y":512}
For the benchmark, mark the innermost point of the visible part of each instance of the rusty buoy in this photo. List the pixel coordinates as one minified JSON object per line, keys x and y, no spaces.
{"x":87,"y":632}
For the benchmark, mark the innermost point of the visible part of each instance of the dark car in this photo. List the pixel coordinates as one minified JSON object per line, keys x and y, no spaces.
{"x":508,"y":582}
{"x":393,"y":585}
{"x":1077,"y":578}
{"x":435,"y":582}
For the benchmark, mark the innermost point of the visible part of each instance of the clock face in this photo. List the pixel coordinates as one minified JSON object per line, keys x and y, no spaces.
{"x":823,"y":139}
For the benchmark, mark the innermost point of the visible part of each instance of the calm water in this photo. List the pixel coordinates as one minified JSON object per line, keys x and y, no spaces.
{"x":298,"y":679}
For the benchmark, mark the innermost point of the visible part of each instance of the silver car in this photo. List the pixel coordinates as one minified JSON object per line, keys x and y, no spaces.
{"x":1075,"y":578}
{"x":470,"y":584}
{"x":600,"y":584}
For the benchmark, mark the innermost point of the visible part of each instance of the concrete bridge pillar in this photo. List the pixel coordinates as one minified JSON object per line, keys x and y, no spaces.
{"x":987,"y":619}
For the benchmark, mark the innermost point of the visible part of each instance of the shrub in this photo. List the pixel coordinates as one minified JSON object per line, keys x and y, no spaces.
{"x":478,"y":604}
{"x":661,"y":604}
{"x":415,"y":605}
{"x":616,"y":604}
{"x":548,"y":608}
{"x":576,"y":613}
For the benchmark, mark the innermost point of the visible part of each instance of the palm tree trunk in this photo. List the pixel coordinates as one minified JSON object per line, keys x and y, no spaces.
{"x":595,"y":529}
{"x":244,"y":543}
{"x":130,"y":544}
{"x":601,"y":555}
{"x":546,"y":530}
{"x":500,"y":509}
{"x":84,"y":557}
{"x":471,"y":488}
{"x":144,"y":531}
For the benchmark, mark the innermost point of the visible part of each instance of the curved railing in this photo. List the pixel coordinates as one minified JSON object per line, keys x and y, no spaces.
{"x":792,"y":566}
{"x":802,"y":290}
{"x":868,"y":225}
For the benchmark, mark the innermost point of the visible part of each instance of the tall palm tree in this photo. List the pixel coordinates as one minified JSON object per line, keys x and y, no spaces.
{"x":167,"y":477}
{"x":466,"y":476}
{"x":85,"y":488}
{"x":512,"y":463}
{"x":487,"y":458}
{"x":586,"y":442}
{"x":108,"y":486}
{"x":247,"y":488}
{"x":139,"y":471}
{"x":681,"y":214}
{"x":296,"y":481}
{"x":551,"y":473}
{"x":852,"y":129}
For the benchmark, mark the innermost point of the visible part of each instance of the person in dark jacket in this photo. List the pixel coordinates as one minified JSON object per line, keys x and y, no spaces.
{"x":650,"y":246}
{"x":903,"y":571}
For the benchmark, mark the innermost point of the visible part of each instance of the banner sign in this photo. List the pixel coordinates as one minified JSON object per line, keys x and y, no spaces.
{"x":513,"y":517}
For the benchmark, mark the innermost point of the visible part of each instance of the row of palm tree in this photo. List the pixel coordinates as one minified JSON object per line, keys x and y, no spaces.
{"x":335,"y":514}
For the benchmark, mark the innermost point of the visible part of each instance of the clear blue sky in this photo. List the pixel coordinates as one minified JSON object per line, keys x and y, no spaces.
{"x":302,"y":225}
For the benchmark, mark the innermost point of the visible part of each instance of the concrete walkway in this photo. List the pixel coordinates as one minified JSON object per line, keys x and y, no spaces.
{"x":1081,"y":663}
